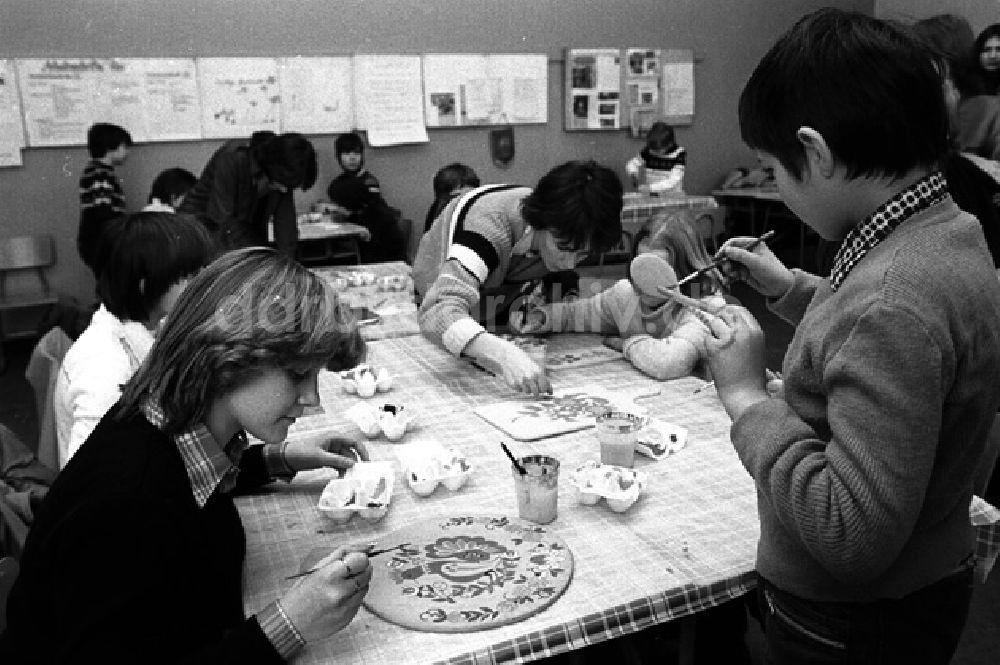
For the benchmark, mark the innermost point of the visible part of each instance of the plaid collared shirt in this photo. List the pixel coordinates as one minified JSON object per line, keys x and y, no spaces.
{"x":207,"y":465}
{"x":876,"y":227}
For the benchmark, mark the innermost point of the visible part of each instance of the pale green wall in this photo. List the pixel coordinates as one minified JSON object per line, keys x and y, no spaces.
{"x":727,"y":36}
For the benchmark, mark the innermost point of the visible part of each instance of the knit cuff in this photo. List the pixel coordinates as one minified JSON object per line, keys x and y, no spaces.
{"x":459,"y":334}
{"x":274,"y":461}
{"x":280,"y":631}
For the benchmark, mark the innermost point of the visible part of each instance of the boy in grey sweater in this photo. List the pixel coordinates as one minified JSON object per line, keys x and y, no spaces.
{"x":866,"y":464}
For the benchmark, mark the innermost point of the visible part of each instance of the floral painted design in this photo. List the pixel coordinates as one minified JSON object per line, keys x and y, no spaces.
{"x":569,"y":407}
{"x":481,"y":570}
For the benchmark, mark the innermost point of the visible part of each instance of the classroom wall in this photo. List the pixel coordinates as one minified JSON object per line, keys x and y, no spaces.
{"x":727,"y":37}
{"x":980,"y":13}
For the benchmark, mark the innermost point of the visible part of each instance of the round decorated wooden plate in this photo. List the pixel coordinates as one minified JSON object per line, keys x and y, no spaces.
{"x":468,"y":573}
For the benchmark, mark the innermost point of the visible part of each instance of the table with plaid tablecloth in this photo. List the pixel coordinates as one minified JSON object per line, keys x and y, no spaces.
{"x":396,"y":308}
{"x":688,"y":543}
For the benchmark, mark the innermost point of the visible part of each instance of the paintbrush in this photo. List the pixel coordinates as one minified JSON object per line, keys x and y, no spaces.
{"x":714,"y":265}
{"x":328,"y":559}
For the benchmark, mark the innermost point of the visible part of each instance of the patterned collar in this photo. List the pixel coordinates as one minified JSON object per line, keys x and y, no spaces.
{"x":876,"y":227}
{"x":207,"y":465}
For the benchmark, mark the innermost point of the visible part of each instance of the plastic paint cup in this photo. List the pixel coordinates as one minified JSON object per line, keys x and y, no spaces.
{"x":538,"y":490}
{"x":617,"y":431}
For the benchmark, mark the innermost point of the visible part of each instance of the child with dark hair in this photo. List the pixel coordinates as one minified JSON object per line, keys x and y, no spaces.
{"x":471,"y":265}
{"x":866,"y":465}
{"x":985,"y":61}
{"x":357,"y":192}
{"x":247,"y":185}
{"x":449,"y":182}
{"x":662,"y":160}
{"x":169,"y":189}
{"x":147,"y":259}
{"x":101,"y":195}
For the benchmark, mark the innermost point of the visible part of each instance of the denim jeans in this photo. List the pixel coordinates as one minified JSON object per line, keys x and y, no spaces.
{"x":922,"y":627}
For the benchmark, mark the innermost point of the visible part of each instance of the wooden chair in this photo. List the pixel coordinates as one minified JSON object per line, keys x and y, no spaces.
{"x":41,"y":373}
{"x":22,"y":256}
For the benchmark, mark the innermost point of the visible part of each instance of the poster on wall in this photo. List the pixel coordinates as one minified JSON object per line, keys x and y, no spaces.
{"x":58,"y":96}
{"x":11,"y":128}
{"x":317,"y":94}
{"x":678,"y":86}
{"x":593,"y":89}
{"x":388,"y":95}
{"x":155,"y":99}
{"x":239,"y":96}
{"x":480,"y":89}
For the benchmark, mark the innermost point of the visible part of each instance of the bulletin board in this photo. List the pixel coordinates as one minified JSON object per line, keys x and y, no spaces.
{"x":612,"y":88}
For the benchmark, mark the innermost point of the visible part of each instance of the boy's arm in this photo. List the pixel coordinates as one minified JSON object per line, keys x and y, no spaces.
{"x":792,"y":305}
{"x":843,"y":493}
{"x":674,"y":355}
{"x":445,"y":314}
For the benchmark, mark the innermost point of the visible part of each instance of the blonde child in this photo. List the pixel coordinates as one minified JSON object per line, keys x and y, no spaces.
{"x":659,"y":336}
{"x":664,"y":163}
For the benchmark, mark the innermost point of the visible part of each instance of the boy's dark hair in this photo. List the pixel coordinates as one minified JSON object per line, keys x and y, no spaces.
{"x":866,"y":86}
{"x":349,"y":142}
{"x":103,"y":137}
{"x":580,"y":202}
{"x":289,"y":159}
{"x":170,"y":183}
{"x":949,"y":38}
{"x":983,"y":82}
{"x":142,"y":255}
{"x":454,"y":175}
{"x":660,"y":136}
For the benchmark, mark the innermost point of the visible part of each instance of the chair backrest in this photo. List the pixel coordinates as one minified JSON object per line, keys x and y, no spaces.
{"x":41,"y":373}
{"x":26,"y":252}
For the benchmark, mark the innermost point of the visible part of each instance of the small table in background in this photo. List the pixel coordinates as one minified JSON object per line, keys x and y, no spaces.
{"x":762,"y":206}
{"x":638,"y":209}
{"x":322,"y":240}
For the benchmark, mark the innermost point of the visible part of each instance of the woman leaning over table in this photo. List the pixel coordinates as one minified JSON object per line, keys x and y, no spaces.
{"x":136,"y":555}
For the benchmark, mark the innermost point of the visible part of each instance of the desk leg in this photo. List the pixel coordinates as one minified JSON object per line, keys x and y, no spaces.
{"x":686,"y":649}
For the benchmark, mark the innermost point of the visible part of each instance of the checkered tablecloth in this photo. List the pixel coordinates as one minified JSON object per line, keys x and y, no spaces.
{"x":396,"y":309}
{"x":637,"y":210}
{"x":687,"y":544}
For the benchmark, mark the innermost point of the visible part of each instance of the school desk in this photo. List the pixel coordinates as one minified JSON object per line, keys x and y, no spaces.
{"x":638,"y":209}
{"x":322,"y":240}
{"x":687,"y":544}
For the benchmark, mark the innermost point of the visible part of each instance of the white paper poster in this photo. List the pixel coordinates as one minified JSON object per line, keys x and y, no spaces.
{"x":388,"y":95}
{"x":239,"y":96}
{"x":479,"y":89}
{"x":317,"y":95}
{"x":155,"y":99}
{"x":58,"y":98}
{"x":678,"y":85}
{"x":11,"y":129}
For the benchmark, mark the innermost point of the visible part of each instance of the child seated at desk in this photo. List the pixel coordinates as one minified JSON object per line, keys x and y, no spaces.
{"x":660,"y":337}
{"x":664,"y":163}
{"x":357,"y":191}
{"x":449,"y":182}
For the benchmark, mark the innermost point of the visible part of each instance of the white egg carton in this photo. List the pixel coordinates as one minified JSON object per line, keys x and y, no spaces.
{"x":364,"y":380}
{"x":427,"y":465}
{"x":365,"y":490}
{"x":658,"y":439}
{"x":390,"y":419}
{"x":359,"y":277}
{"x":392,"y":282}
{"x":618,"y":486}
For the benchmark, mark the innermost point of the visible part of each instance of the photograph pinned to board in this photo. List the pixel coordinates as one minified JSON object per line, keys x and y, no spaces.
{"x":593,"y":89}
